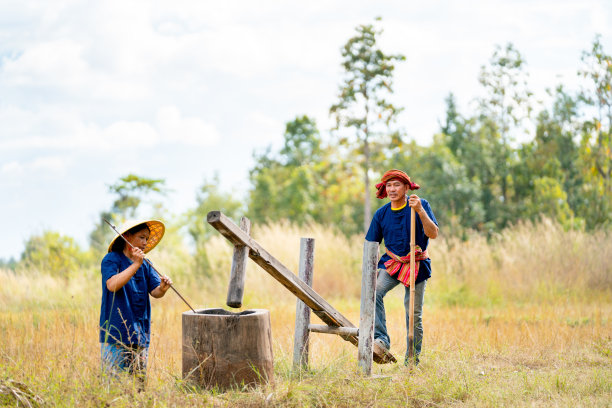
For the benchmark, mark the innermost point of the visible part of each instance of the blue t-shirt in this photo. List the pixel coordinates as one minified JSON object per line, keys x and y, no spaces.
{"x":394,"y":227}
{"x":125,"y":315}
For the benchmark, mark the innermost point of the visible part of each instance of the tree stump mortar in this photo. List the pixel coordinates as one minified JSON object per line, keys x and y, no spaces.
{"x":227,"y":349}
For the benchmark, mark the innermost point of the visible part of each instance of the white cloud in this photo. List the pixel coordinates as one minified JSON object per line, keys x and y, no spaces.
{"x":174,"y":128}
{"x":48,"y":129}
{"x":120,"y":135}
{"x":264,"y":128}
{"x":13,"y":168}
{"x":53,"y":164}
{"x":56,"y":63}
{"x":48,"y":165}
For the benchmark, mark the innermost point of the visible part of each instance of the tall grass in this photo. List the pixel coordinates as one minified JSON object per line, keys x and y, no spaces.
{"x":521,"y":319}
{"x":526,"y":263}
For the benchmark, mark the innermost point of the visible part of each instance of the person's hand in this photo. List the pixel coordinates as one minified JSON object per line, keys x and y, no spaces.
{"x":138,"y":255}
{"x":415,"y":202}
{"x":165,"y":284}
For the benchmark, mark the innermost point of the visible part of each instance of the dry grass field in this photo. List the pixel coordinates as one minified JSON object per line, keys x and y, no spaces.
{"x":523,"y":319}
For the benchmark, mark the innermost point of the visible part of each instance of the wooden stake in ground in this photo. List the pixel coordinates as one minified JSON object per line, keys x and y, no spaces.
{"x":411,"y":304}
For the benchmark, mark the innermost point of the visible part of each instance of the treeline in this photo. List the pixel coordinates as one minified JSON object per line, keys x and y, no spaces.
{"x":509,"y":159}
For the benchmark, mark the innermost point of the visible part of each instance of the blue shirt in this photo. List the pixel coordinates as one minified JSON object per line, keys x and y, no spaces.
{"x":125,"y":315}
{"x":394,"y":228}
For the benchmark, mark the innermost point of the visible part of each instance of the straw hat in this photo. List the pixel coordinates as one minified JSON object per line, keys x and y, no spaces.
{"x":156,"y":227}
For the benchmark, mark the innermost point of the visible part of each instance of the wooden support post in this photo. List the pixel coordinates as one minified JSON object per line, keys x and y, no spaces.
{"x":235,"y":290}
{"x":368,"y":306}
{"x":341,"y":331}
{"x":302,"y":311}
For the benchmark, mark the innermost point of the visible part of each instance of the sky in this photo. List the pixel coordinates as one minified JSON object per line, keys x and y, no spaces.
{"x":184,"y":90}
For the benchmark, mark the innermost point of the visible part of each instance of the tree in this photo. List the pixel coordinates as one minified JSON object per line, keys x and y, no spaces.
{"x":549,"y":180}
{"x":286,"y":187}
{"x":550,"y":200}
{"x":455,"y":128}
{"x":362,"y":105}
{"x":454,"y":196}
{"x":130,"y":191}
{"x":306,"y":181}
{"x":53,"y":253}
{"x":209,"y":197}
{"x":472,"y":165}
{"x":302,"y":142}
{"x":10,"y":263}
{"x":596,"y":147}
{"x":502,"y":112}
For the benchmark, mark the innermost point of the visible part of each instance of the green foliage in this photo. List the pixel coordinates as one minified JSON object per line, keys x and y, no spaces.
{"x":363,"y":103}
{"x":551,"y":175}
{"x":596,"y":144}
{"x":130,"y":191}
{"x":320,"y":186}
{"x":287,"y":184}
{"x":209,"y":198}
{"x":454,"y":195}
{"x":10,"y":263}
{"x":476,"y":174}
{"x":502,"y":111}
{"x":466,"y":149}
{"x":53,"y":254}
{"x":548,"y":182}
{"x":302,"y":142}
{"x":550,"y":200}
{"x":507,"y":101}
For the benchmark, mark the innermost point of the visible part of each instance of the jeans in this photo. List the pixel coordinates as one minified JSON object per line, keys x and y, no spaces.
{"x":384,"y":283}
{"x":116,"y":358}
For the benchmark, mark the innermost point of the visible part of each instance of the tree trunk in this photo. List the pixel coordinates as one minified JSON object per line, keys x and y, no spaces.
{"x":226,"y":349}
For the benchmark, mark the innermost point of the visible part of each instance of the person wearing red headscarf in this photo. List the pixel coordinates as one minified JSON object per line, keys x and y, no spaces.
{"x":391,"y":224}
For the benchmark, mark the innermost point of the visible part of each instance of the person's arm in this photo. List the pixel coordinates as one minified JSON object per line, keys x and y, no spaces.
{"x":116,"y":282}
{"x":163,"y":287}
{"x":430,"y":228}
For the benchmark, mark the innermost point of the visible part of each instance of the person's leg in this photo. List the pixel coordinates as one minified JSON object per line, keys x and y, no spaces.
{"x":384,"y":283}
{"x":114,"y":359}
{"x":138,"y":365}
{"x":419,"y":297}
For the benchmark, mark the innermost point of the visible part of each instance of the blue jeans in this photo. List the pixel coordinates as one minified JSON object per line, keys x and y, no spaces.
{"x":117,"y":357}
{"x":384,"y":283}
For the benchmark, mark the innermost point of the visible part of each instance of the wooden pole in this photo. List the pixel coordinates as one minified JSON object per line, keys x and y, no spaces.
{"x":341,"y":331}
{"x":368,"y":306}
{"x":302,"y":311}
{"x":235,"y":290}
{"x":412,"y":293}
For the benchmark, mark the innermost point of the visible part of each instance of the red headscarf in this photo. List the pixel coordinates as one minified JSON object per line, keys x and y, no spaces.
{"x":394,"y":174}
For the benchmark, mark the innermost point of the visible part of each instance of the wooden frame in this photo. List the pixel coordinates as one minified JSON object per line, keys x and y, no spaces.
{"x":335,"y":321}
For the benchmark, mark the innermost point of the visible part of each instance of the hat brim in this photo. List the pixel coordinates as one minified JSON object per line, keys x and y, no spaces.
{"x":156,"y":227}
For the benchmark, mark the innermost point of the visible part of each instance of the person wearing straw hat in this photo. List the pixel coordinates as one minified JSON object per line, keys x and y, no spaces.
{"x":127,"y":282}
{"x":391,"y":223}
